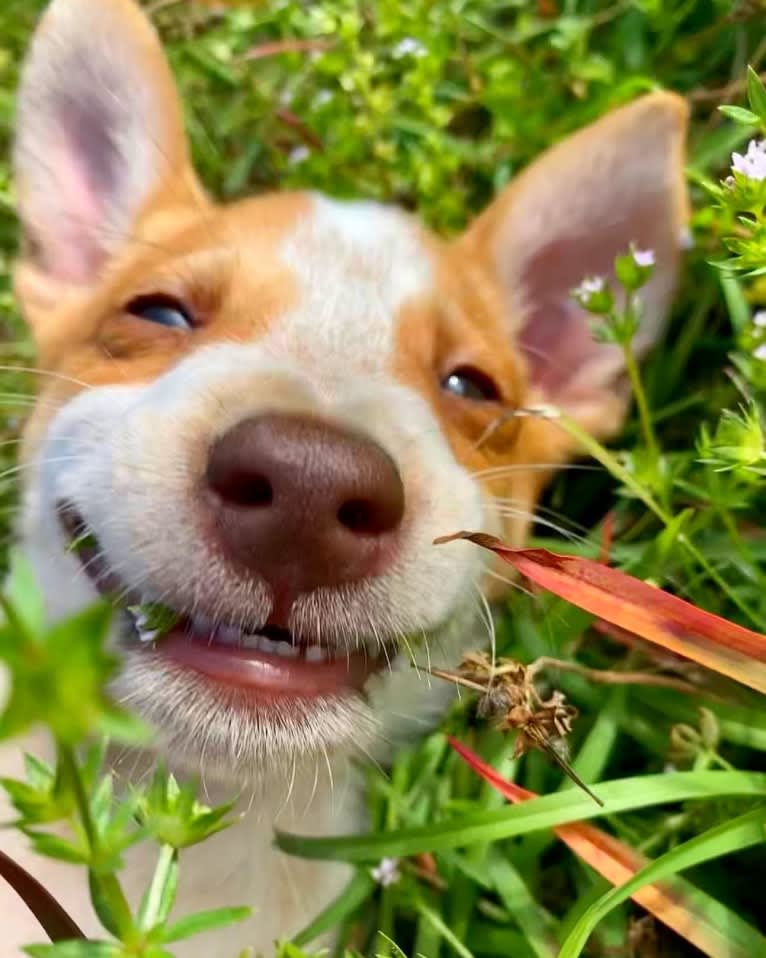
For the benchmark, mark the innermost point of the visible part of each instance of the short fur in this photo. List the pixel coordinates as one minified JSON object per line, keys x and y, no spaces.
{"x":349,"y":311}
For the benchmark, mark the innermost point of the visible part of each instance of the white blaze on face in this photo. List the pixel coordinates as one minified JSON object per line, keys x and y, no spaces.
{"x":357,"y":264}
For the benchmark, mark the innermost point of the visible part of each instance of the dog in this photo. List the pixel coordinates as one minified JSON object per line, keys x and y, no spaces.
{"x":265,"y":413}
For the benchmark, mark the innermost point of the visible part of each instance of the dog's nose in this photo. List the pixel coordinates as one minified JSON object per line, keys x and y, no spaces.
{"x":304,"y":503}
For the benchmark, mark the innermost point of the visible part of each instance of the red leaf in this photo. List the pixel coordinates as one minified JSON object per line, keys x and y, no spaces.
{"x":639,"y":608}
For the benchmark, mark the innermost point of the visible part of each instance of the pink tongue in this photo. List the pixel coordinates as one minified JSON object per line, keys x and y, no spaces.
{"x":269,"y":674}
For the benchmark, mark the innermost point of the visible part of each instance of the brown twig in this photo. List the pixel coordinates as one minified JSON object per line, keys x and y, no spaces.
{"x":274,"y":47}
{"x":54,"y":921}
{"x":608,"y":677}
{"x":296,"y":123}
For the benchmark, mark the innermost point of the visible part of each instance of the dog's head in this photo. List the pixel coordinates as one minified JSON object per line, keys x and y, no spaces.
{"x":264,"y":413}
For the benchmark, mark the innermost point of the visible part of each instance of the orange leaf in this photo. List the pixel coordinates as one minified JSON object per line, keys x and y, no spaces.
{"x":615,"y":861}
{"x":639,"y":608}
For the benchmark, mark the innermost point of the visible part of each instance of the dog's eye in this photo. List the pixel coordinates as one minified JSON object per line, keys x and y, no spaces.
{"x":161,"y":309}
{"x":468,"y":382}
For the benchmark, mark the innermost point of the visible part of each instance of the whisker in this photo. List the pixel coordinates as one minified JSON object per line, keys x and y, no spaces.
{"x":44,"y":372}
{"x":494,"y":472}
{"x":506,"y":581}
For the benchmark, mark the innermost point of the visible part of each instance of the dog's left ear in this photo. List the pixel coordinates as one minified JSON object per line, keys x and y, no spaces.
{"x":616,"y":182}
{"x":100,"y":145}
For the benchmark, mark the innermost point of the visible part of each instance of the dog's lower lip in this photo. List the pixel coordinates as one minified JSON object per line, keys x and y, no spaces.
{"x":266,"y":674}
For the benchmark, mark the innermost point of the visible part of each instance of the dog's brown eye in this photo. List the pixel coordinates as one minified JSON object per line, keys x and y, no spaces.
{"x":468,"y":382}
{"x":161,"y":309}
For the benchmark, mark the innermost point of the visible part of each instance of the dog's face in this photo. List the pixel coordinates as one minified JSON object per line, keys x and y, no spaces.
{"x":264,"y":413}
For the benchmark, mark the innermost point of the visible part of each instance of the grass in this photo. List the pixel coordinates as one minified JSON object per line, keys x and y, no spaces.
{"x":440,"y":131}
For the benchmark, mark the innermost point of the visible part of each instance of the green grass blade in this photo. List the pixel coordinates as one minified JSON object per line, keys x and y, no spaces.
{"x":452,"y":940}
{"x":353,"y":895}
{"x":534,"y":921}
{"x":539,"y":813}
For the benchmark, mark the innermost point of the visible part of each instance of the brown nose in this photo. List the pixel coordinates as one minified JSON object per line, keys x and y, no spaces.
{"x":304,"y":503}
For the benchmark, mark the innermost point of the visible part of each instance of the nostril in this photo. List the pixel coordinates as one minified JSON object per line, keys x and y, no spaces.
{"x":367,"y":517}
{"x":244,"y":488}
{"x":359,"y":516}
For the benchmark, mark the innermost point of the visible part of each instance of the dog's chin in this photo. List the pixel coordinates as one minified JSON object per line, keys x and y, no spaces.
{"x":231,"y":735}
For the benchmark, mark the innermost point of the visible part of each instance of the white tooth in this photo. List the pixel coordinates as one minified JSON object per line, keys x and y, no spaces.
{"x":139,"y":623}
{"x":286,"y":649}
{"x":315,"y":653}
{"x":255,"y":642}
{"x":227,"y":635}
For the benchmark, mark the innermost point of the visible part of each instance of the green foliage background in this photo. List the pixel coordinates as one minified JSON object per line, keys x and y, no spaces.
{"x":436,"y":104}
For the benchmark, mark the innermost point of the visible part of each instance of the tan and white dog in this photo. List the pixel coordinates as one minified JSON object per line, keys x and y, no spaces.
{"x":265,"y":413}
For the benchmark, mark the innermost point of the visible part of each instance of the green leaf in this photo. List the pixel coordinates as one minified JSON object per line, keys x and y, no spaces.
{"x":740,"y":115}
{"x":539,"y":813}
{"x":23,"y":595}
{"x":101,"y":802}
{"x":731,"y":836}
{"x":444,"y":930}
{"x":76,"y":949}
{"x":172,"y":815}
{"x":109,"y":904}
{"x":737,"y":305}
{"x":536,"y":923}
{"x":756,"y":94}
{"x":52,"y":846}
{"x":204,"y":921}
{"x":358,"y":890}
{"x":60,"y":679}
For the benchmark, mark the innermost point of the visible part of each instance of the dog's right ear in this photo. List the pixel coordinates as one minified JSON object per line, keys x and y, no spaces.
{"x":100,"y":141}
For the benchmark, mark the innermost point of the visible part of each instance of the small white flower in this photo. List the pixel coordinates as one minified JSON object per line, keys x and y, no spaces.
{"x":686,"y":238}
{"x":759,"y":319}
{"x":760,"y":352}
{"x":408,"y":47}
{"x":298,"y":154}
{"x":752,"y":163}
{"x":643,"y":257}
{"x":386,"y":872}
{"x":589,"y":286}
{"x":324,"y":96}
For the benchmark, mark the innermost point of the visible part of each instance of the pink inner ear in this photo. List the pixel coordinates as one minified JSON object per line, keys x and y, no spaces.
{"x":559,"y":347}
{"x":556,"y":334}
{"x":74,"y":256}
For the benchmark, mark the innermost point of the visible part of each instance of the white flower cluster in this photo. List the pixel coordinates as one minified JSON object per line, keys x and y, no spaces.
{"x":752,"y":163}
{"x":386,"y":872}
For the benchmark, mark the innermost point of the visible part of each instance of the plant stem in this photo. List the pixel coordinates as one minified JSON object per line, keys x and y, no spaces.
{"x":108,"y":884}
{"x":642,"y":404}
{"x":69,"y":764}
{"x":157,"y":894}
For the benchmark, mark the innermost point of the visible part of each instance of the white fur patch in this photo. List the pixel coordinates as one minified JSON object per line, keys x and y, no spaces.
{"x":357,"y":264}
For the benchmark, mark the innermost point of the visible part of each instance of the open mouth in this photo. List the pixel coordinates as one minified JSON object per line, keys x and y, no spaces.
{"x":267,"y":661}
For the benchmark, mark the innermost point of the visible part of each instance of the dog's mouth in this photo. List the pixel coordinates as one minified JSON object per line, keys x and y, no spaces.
{"x":268,"y":661}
